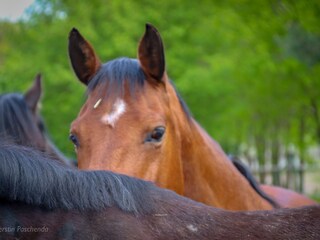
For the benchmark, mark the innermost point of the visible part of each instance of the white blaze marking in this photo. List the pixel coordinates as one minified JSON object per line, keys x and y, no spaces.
{"x":192,"y":228}
{"x":118,"y":109}
{"x":97,"y":103}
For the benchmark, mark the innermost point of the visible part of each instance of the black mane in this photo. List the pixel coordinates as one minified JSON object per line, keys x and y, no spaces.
{"x":245,"y":171}
{"x":118,"y":73}
{"x":30,"y":177}
{"x":16,"y":119}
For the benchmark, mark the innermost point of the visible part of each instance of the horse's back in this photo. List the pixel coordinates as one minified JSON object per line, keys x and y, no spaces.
{"x":287,"y":197}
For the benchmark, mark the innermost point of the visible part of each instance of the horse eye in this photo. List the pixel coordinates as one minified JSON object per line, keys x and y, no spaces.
{"x":156,"y":135}
{"x":74,"y":140}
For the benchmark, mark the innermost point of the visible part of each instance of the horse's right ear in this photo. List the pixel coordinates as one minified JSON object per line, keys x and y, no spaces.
{"x":84,"y":60}
{"x":151,"y":53}
{"x":33,"y":95}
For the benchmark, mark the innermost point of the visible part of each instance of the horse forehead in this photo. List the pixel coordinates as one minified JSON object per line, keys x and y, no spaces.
{"x":110,"y":118}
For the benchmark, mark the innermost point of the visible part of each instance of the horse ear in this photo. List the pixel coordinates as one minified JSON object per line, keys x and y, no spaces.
{"x":33,"y":95}
{"x":151,"y":53}
{"x":84,"y":60}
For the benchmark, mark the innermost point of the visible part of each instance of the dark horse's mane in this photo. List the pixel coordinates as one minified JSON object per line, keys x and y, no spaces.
{"x":121,"y":72}
{"x":30,"y":177}
{"x":16,"y":119}
{"x":18,"y":125}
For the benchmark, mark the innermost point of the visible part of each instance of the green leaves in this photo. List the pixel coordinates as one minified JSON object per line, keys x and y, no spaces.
{"x":242,"y":67}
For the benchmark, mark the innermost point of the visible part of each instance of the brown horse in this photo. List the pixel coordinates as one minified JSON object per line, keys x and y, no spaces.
{"x":42,"y":199}
{"x":135,"y":123}
{"x":21,"y":122}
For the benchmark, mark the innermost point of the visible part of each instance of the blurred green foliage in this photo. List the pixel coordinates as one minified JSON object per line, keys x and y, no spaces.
{"x":247,"y":69}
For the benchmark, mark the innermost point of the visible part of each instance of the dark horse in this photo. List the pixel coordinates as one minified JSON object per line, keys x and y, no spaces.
{"x":41,"y":198}
{"x":21,"y":122}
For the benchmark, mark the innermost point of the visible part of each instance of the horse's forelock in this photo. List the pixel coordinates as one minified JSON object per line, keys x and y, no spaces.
{"x":116,"y":75}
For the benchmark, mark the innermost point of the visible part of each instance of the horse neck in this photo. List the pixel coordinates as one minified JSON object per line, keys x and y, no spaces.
{"x":211,"y":178}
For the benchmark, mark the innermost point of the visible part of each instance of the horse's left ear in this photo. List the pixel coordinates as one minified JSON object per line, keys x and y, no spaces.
{"x":151,"y":53}
{"x":33,"y":95}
